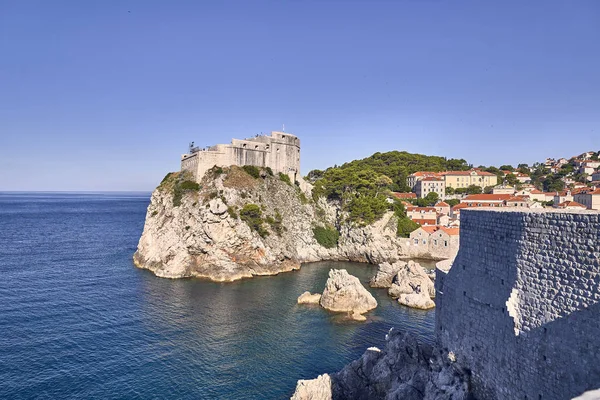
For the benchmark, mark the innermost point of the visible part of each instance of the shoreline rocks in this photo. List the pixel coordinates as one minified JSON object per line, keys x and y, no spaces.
{"x":344,"y":293}
{"x":413,"y":287}
{"x":404,"y":369}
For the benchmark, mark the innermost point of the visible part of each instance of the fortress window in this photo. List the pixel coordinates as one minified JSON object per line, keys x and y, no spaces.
{"x":268,"y":147}
{"x":244,"y":145}
{"x":278,"y":149}
{"x":283,"y":136}
{"x":256,"y":147}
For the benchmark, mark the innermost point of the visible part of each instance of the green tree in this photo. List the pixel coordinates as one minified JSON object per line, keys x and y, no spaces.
{"x":251,"y":214}
{"x":474,"y":189}
{"x":452,"y":202}
{"x":507,"y":168}
{"x":432,"y":197}
{"x":449,"y":191}
{"x":406,"y":226}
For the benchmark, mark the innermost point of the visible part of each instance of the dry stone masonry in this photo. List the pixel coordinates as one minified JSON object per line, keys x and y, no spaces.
{"x":520,"y":306}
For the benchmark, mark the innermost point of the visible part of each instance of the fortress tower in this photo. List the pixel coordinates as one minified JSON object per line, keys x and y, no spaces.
{"x":280,"y":151}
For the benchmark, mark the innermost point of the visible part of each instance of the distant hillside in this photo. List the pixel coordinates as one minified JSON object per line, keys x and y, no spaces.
{"x":396,"y":165}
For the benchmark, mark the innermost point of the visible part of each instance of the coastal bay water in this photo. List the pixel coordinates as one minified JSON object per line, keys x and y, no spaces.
{"x":77,"y":320}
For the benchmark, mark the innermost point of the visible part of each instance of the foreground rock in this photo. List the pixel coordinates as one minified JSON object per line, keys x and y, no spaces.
{"x":313,"y":389}
{"x":344,"y":293}
{"x":405,"y":369}
{"x":309,"y":298}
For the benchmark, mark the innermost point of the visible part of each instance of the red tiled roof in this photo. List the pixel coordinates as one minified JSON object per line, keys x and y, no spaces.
{"x":432,"y":178}
{"x":459,"y":206}
{"x":488,"y":197}
{"x":430,"y":228}
{"x":425,"y":222}
{"x":425,"y":209}
{"x":400,"y":195}
{"x":566,"y":204}
{"x":451,"y":231}
{"x":425,"y":173}
{"x":464,"y":173}
{"x":442,"y":204}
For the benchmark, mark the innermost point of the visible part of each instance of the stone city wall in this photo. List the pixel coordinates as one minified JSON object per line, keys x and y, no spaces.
{"x":520,"y":306}
{"x":280,"y":151}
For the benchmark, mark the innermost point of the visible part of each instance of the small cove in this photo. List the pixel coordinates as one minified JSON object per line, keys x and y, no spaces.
{"x":80,"y":321}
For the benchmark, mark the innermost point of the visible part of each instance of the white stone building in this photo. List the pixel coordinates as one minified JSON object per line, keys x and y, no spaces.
{"x":280,"y":151}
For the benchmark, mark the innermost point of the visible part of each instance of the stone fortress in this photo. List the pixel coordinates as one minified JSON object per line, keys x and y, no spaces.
{"x":280,"y":151}
{"x":520,"y":307}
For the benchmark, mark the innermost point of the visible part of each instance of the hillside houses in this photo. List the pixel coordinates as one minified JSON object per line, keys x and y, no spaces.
{"x":435,"y":241}
{"x":424,"y":182}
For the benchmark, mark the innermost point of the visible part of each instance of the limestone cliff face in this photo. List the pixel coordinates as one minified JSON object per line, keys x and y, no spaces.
{"x":199,"y":233}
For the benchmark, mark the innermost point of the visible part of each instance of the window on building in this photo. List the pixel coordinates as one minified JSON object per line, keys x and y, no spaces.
{"x":424,"y":241}
{"x":445,"y":243}
{"x":416,"y":241}
{"x":435,"y":242}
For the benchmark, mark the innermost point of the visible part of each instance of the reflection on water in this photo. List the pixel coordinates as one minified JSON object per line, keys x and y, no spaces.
{"x":79,"y":321}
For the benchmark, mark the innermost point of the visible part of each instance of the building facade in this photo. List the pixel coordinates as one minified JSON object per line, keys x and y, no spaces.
{"x":430,"y":185}
{"x":464,"y":179}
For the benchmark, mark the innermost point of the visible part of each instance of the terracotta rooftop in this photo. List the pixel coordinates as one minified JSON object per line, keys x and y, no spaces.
{"x":400,"y":195}
{"x":488,"y":197}
{"x":451,"y":231}
{"x":566,"y":204}
{"x":442,"y":204}
{"x":465,"y":173}
{"x":430,"y":228}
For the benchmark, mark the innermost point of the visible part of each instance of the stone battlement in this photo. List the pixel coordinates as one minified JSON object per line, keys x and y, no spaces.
{"x":279,"y":151}
{"x":520,"y":306}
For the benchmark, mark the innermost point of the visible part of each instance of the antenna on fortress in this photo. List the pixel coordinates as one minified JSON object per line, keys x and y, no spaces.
{"x":191,"y":147}
{"x":283,"y":128}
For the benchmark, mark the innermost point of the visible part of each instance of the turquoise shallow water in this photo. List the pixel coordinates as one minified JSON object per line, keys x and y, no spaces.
{"x":77,"y":320}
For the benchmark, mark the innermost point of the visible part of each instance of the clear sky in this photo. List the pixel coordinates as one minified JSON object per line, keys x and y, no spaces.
{"x":106,"y":95}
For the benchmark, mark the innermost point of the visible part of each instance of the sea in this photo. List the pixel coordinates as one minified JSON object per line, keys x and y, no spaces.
{"x":79,"y":321}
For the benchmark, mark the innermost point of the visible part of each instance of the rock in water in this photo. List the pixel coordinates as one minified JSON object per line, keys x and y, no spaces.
{"x":411,"y":279}
{"x":416,"y":300}
{"x":344,"y":293}
{"x":313,"y":389}
{"x":386,"y":273}
{"x":309,"y":298}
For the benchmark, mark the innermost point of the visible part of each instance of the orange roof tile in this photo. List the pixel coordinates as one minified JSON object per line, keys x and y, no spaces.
{"x":566,"y":204}
{"x":430,"y":228}
{"x":451,"y":231}
{"x":400,"y":195}
{"x":488,"y":197}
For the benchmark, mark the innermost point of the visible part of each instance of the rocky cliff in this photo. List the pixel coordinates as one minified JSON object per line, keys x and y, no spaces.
{"x":235,"y":225}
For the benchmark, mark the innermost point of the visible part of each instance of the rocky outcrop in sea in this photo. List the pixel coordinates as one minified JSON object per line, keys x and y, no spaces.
{"x":405,"y":369}
{"x":235,"y":226}
{"x":344,"y":293}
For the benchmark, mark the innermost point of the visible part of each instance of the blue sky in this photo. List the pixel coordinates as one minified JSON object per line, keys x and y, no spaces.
{"x":106,"y":95}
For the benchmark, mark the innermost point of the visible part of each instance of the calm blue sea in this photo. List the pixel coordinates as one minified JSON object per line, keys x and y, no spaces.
{"x":79,"y":321}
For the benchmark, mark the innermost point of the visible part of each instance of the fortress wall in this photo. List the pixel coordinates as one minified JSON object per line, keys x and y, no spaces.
{"x":190,"y":163}
{"x":520,"y":306}
{"x":280,"y":152}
